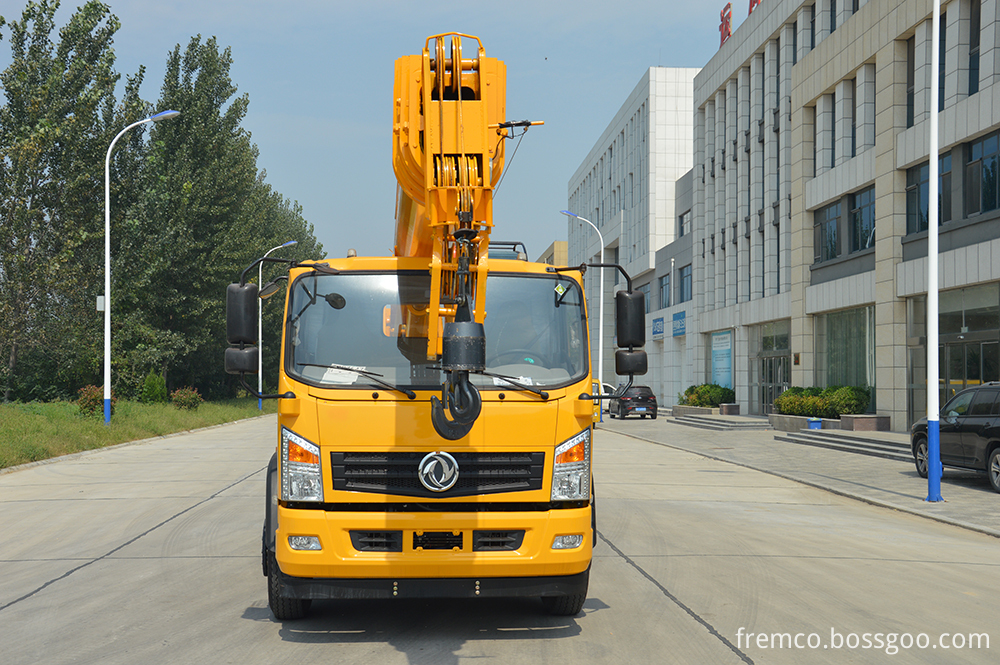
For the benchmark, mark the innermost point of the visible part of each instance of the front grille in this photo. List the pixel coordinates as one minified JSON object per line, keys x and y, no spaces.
{"x":478,"y":473}
{"x":437,"y":540}
{"x":377,"y":541}
{"x":497,"y":541}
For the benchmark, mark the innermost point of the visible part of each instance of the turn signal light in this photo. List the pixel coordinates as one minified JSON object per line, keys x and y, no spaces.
{"x":297,"y":453}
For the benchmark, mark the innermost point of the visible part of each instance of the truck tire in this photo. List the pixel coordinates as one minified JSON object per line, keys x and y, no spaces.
{"x":284,"y":609}
{"x":566,"y":606}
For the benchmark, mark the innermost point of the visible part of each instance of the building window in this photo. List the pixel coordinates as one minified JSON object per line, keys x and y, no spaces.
{"x":812,"y":27}
{"x":975,"y":24}
{"x":826,"y":221}
{"x":684,"y":294}
{"x":664,"y":291}
{"x":863,"y":219}
{"x":943,"y":48}
{"x":845,"y":348}
{"x":918,"y":194}
{"x":833,"y":16}
{"x":910,"y":79}
{"x":644,"y":289}
{"x":795,"y":42}
{"x":981,"y":175}
{"x":684,"y":224}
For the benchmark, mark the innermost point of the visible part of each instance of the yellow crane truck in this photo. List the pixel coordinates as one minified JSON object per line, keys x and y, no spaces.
{"x":425,"y":448}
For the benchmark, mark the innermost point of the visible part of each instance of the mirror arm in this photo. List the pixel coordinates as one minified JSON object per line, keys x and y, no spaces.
{"x":246,"y":386}
{"x":265,"y":259}
{"x":583,"y":269}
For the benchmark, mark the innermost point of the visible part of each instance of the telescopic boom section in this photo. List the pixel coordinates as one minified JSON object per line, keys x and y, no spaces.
{"x":447,"y":156}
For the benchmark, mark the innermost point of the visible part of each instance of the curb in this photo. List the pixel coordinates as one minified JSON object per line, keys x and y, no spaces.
{"x":137,"y":442}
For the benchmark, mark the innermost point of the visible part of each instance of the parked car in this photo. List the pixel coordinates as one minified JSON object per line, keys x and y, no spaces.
{"x":969,"y":427}
{"x":638,"y":400}
{"x":606,"y":389}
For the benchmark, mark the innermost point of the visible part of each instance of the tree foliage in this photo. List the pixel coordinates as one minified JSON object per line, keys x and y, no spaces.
{"x":189,"y":209}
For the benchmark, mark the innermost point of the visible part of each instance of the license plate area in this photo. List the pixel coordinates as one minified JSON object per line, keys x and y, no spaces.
{"x":437,"y":540}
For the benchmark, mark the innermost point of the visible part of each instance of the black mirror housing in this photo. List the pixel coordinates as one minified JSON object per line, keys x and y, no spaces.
{"x":242,"y":361}
{"x":241,"y":315}
{"x":631,"y":362}
{"x":630,"y":319}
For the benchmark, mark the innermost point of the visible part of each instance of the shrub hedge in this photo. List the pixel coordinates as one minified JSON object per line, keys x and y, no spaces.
{"x":707,"y":394}
{"x":829,"y":402}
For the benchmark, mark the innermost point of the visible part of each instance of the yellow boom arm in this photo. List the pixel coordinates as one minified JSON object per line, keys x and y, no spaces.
{"x":447,"y":156}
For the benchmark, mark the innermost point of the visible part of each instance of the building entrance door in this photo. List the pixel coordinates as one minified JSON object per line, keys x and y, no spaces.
{"x":966,"y":364}
{"x":772,"y":376}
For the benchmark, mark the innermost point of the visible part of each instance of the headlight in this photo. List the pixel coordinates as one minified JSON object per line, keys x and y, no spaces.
{"x":301,"y":473}
{"x":571,"y":471}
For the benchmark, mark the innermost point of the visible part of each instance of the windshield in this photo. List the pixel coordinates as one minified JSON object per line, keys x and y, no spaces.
{"x":341,"y":326}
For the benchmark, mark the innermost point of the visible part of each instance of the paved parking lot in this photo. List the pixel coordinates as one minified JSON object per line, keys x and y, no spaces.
{"x":969,"y":501}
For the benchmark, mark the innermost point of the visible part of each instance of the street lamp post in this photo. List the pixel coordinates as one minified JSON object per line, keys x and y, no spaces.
{"x":260,"y":335}
{"x":163,"y":115}
{"x":600,"y":303}
{"x":933,"y":333}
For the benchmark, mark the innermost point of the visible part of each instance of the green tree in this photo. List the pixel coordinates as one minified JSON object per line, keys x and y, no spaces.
{"x":54,"y":127}
{"x":203,"y":215}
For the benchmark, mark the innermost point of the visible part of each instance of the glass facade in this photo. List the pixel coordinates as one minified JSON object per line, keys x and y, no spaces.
{"x":918,"y":194}
{"x":845,"y":348}
{"x":981,"y":174}
{"x":685,"y":293}
{"x":664,"y":291}
{"x":863,"y":219}
{"x":969,"y":343}
{"x":826,"y":221}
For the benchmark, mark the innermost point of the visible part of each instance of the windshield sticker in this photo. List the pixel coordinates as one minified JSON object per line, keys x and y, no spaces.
{"x":501,"y":383}
{"x":338,"y":375}
{"x":560,"y":289}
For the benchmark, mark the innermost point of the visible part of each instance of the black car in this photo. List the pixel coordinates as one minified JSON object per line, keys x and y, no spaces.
{"x":639,"y":400}
{"x":969,"y":427}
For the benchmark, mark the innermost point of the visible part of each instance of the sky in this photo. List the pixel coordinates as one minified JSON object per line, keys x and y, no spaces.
{"x":319,"y":75}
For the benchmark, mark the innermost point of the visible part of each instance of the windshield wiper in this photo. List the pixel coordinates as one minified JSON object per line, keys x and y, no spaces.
{"x":365,"y":373}
{"x":514,"y":382}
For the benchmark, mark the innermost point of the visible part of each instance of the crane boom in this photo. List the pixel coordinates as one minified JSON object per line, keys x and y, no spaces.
{"x":447,"y":161}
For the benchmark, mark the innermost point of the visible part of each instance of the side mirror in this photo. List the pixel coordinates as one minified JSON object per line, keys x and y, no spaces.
{"x":241,"y":329}
{"x":241,"y":314}
{"x":630,"y":324}
{"x":272,"y":287}
{"x":630,"y":362}
{"x":630,"y":318}
{"x":242,"y":361}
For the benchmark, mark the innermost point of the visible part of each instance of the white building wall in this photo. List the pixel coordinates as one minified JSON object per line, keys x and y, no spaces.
{"x":625,"y":186}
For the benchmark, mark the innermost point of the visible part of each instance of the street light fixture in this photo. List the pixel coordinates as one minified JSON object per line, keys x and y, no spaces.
{"x":600,"y":302}
{"x":260,"y":335}
{"x":163,"y":115}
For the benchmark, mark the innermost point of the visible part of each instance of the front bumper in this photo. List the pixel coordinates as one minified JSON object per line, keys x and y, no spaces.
{"x":485,"y":587}
{"x":339,"y":560}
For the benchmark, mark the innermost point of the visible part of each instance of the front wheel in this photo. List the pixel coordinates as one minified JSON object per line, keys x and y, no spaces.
{"x":993,"y":469}
{"x":284,"y":609}
{"x":920,"y":457}
{"x":566,"y":606}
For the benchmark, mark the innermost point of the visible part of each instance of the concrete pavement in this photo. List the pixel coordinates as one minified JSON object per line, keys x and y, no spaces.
{"x":969,"y":501}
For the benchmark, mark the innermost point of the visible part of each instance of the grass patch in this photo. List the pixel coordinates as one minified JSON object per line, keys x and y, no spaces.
{"x":35,"y":430}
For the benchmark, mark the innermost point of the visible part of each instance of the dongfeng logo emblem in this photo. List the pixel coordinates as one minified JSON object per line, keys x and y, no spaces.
{"x":438,"y":471}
